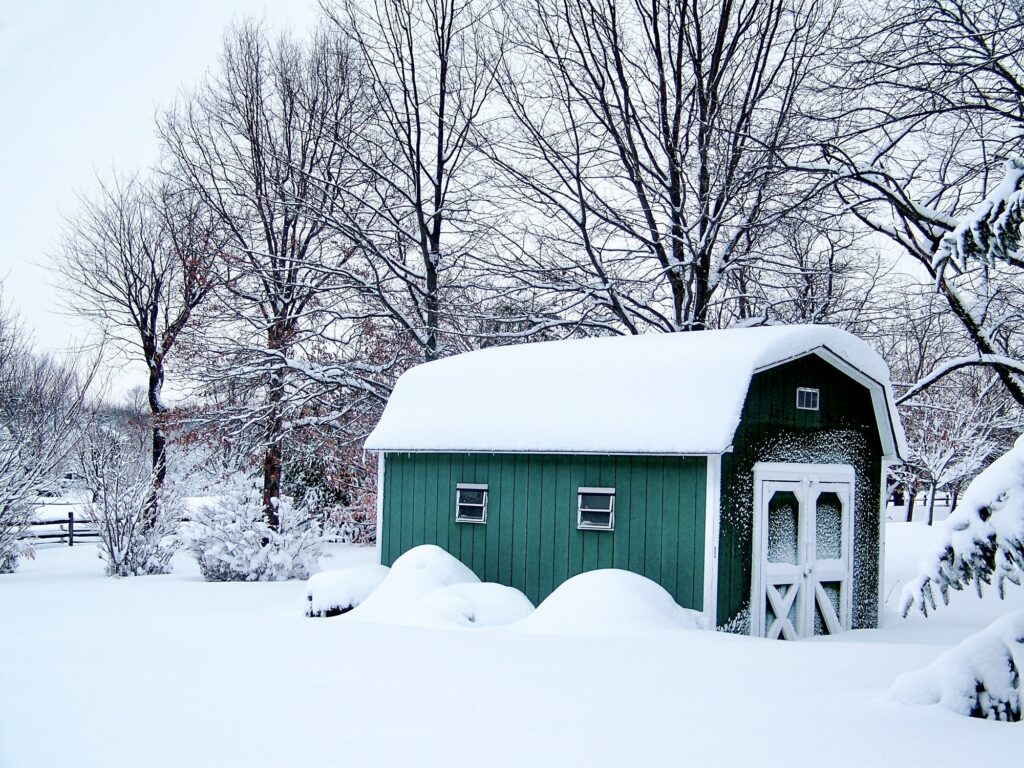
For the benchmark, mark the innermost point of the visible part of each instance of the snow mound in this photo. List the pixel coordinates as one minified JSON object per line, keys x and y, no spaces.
{"x":610,"y":602}
{"x":980,"y":677}
{"x":330,"y":593}
{"x":982,"y":539}
{"x":428,"y":587}
{"x":475,"y":605}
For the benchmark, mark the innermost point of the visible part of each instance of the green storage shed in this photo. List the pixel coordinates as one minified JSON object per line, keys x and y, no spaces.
{"x":743,"y":470}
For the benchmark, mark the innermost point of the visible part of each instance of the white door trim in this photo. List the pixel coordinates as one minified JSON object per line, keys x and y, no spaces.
{"x":712,"y":522}
{"x":803,"y":473}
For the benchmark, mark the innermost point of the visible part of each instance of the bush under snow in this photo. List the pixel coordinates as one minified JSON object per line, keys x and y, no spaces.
{"x":331,"y":593}
{"x":427,"y":586}
{"x":232,"y":541}
{"x":136,"y":539}
{"x":610,"y":602}
{"x":983,"y":538}
{"x":980,"y":677}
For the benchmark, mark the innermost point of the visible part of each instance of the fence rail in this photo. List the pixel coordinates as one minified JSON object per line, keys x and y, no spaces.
{"x":68,"y":529}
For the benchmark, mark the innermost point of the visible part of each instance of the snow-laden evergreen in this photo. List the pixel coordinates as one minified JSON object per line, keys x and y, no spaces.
{"x":983,"y":538}
{"x":980,"y":677}
{"x":992,"y":231}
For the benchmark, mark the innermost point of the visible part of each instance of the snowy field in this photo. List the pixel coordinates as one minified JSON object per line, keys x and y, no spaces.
{"x":173,"y":671}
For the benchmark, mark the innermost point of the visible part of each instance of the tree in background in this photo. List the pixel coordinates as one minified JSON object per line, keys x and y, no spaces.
{"x":136,"y":261}
{"x":420,"y":215}
{"x":928,"y":104}
{"x":248,"y":143}
{"x":41,"y":400}
{"x":648,"y":143}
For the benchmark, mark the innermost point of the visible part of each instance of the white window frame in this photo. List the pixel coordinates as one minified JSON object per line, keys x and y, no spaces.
{"x":580,"y":525}
{"x":816,"y":393}
{"x":459,"y":487}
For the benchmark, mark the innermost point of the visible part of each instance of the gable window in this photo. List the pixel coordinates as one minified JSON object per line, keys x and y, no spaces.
{"x":596,"y":509}
{"x":806,"y":399}
{"x":470,"y":503}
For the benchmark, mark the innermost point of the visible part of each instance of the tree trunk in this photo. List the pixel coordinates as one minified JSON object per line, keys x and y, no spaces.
{"x":911,"y":500}
{"x":159,"y":439}
{"x":273,"y":458}
{"x":931,"y":504}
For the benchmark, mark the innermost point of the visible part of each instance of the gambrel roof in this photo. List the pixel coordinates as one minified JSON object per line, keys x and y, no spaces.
{"x":666,"y":394}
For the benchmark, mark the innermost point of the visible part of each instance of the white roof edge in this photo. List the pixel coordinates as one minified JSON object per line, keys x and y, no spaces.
{"x":541,"y":452}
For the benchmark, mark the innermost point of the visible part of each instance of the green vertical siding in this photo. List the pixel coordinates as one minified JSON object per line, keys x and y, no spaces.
{"x":530,"y":540}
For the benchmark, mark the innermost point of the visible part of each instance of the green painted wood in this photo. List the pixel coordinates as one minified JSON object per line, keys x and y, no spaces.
{"x":432,"y":480}
{"x":655,"y":501}
{"x":671,"y":501}
{"x":623,"y":511}
{"x":843,"y":430}
{"x":546,"y":527}
{"x":530,"y":540}
{"x":564,"y":521}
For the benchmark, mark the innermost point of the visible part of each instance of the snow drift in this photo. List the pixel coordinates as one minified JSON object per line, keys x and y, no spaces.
{"x":610,"y":602}
{"x":428,"y":587}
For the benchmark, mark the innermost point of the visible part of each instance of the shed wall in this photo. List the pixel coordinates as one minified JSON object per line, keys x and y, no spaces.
{"x":843,"y":431}
{"x":530,"y":540}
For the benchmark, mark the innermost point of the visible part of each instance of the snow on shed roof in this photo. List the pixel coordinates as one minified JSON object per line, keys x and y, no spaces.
{"x":678,"y":393}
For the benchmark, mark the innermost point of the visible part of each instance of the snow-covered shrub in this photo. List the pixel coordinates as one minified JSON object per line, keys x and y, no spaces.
{"x":983,"y":538}
{"x":980,"y":677}
{"x":331,"y":593}
{"x":137,"y":523}
{"x":426,"y":586}
{"x":482,"y":604}
{"x":420,"y":570}
{"x":232,"y":541}
{"x":134,"y":542}
{"x":11,"y":548}
{"x":353,"y":525}
{"x":610,"y":601}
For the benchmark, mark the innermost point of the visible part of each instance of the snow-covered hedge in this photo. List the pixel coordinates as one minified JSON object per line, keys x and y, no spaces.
{"x":232,"y":542}
{"x":983,"y":538}
{"x":330,"y":593}
{"x":980,"y":677}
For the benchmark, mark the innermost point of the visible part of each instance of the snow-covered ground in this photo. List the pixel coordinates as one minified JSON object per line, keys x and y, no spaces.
{"x":173,"y":671}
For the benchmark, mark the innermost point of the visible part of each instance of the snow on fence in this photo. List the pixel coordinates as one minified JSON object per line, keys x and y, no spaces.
{"x":62,"y":528}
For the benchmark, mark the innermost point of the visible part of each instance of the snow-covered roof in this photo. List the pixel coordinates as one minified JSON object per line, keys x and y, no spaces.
{"x":679,"y":393}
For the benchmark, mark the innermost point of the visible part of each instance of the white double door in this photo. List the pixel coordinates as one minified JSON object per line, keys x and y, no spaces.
{"x":802,"y":569}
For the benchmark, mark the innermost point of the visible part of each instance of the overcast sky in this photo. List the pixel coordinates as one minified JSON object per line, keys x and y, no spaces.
{"x":80,"y":83}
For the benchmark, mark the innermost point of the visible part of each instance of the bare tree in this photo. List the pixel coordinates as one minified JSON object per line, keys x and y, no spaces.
{"x":420,"y":213}
{"x":249,"y":142}
{"x":648,"y":141}
{"x":136,"y":261}
{"x":931,"y":106}
{"x":40,"y":403}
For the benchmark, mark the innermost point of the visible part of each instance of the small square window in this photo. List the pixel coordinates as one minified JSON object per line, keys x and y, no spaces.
{"x":806,"y":399}
{"x":596,"y":509}
{"x":470,"y":503}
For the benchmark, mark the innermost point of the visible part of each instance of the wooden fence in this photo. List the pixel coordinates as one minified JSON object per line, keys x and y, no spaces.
{"x":63,"y":529}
